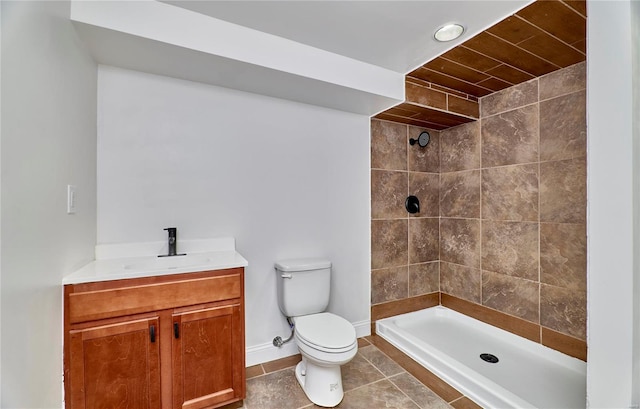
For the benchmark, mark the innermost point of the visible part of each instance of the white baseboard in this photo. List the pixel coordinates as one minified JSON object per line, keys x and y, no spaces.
{"x":259,"y":354}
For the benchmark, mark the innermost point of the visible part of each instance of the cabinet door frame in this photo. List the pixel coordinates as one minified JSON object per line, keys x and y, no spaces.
{"x":236,"y":392}
{"x":76,"y":358}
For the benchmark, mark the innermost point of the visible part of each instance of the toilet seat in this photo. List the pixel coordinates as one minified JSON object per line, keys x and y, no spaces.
{"x":326,"y":332}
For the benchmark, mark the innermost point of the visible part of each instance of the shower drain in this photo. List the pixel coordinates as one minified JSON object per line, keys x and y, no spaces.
{"x":492,"y":359}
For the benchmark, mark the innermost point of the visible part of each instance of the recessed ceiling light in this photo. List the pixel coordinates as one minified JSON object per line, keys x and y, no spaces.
{"x":449,"y":32}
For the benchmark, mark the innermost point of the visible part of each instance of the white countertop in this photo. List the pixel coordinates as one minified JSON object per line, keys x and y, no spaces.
{"x":134,"y":260}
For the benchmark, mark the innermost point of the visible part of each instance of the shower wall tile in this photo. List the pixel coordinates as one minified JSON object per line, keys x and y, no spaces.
{"x":388,"y":193}
{"x":388,"y":147}
{"x":563,"y":255}
{"x":460,"y":281}
{"x":501,"y":231}
{"x":389,"y":284}
{"x":426,"y":187}
{"x":510,"y":193}
{"x":460,"y":241}
{"x":389,"y":244}
{"x":460,"y":147}
{"x":423,"y":240}
{"x":510,"y":248}
{"x":425,"y":159}
{"x":563,"y":127}
{"x":563,"y":196}
{"x":563,"y":310}
{"x":561,"y":82}
{"x":460,"y":194}
{"x":511,"y":295}
{"x":510,"y":138}
{"x":509,"y":98}
{"x":424,"y":278}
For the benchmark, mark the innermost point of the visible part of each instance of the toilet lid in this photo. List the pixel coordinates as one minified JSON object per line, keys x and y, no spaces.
{"x":325,"y":330}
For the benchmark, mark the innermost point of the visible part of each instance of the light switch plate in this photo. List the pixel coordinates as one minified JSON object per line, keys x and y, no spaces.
{"x":71,"y":199}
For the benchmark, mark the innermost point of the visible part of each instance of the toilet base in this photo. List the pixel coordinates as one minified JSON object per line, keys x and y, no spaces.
{"x":321,"y":384}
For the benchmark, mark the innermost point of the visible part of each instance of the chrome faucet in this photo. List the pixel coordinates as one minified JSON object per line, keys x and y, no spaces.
{"x":172,"y":241}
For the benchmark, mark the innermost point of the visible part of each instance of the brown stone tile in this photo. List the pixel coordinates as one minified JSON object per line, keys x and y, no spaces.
{"x":511,"y":295}
{"x":510,"y":74}
{"x":510,"y":138}
{"x":563,"y":127}
{"x":437,"y":385}
{"x":463,"y":106}
{"x":557,"y":19}
{"x":563,"y":255}
{"x":460,"y":147}
{"x":498,"y":319}
{"x":564,"y":81}
{"x":510,"y":248}
{"x":281,"y":363}
{"x":510,"y":193}
{"x":362,"y":342}
{"x":425,"y":186}
{"x":423,"y":240}
{"x":578,"y":5}
{"x":563,"y":196}
{"x":425,"y":159}
{"x":447,"y":81}
{"x":392,"y":308}
{"x":382,"y":394}
{"x":389,"y":284}
{"x":460,"y":281}
{"x":465,"y":403}
{"x":567,"y":345}
{"x":388,"y":243}
{"x":419,"y":393}
{"x":358,"y":372}
{"x":563,"y":310}
{"x":510,"y":98}
{"x":499,"y":49}
{"x":253,"y":371}
{"x":419,"y":94}
{"x":470,"y":58}
{"x":460,"y":194}
{"x":424,"y":278}
{"x":460,"y":242}
{"x":388,"y":193}
{"x":383,"y":363}
{"x":388,"y":145}
{"x":275,"y":391}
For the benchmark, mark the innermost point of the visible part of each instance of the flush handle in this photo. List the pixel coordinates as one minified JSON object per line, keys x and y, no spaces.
{"x":176,"y":330}
{"x":286,"y":276}
{"x":152,"y":333}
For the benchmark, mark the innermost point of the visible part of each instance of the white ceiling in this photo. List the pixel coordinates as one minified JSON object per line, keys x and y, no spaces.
{"x":397,"y":35}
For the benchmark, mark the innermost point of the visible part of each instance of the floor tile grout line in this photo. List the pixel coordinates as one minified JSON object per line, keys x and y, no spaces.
{"x":405,"y":393}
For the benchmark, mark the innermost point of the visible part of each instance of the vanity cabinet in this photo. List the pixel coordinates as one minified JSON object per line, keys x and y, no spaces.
{"x":173,"y":341}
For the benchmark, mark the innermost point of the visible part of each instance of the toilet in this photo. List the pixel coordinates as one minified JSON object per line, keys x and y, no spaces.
{"x":326,"y":341}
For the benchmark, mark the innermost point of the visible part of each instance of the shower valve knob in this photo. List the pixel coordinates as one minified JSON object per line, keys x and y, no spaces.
{"x":412,"y":204}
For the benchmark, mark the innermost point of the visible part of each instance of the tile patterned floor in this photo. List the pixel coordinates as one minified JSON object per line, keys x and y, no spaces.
{"x":371,"y":380}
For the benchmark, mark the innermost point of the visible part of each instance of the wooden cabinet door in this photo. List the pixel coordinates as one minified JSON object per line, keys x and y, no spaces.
{"x":115,"y":366}
{"x":208,"y":357}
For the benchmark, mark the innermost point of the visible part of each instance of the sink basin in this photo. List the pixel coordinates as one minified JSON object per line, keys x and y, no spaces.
{"x":168,"y":263}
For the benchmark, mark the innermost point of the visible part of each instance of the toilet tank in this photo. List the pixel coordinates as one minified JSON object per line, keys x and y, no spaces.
{"x":303,"y":286}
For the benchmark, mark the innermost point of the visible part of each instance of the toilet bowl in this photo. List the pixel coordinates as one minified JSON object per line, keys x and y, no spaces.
{"x":326,"y":341}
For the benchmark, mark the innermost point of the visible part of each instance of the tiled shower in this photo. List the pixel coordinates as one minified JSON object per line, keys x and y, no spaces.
{"x":501,"y":231}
